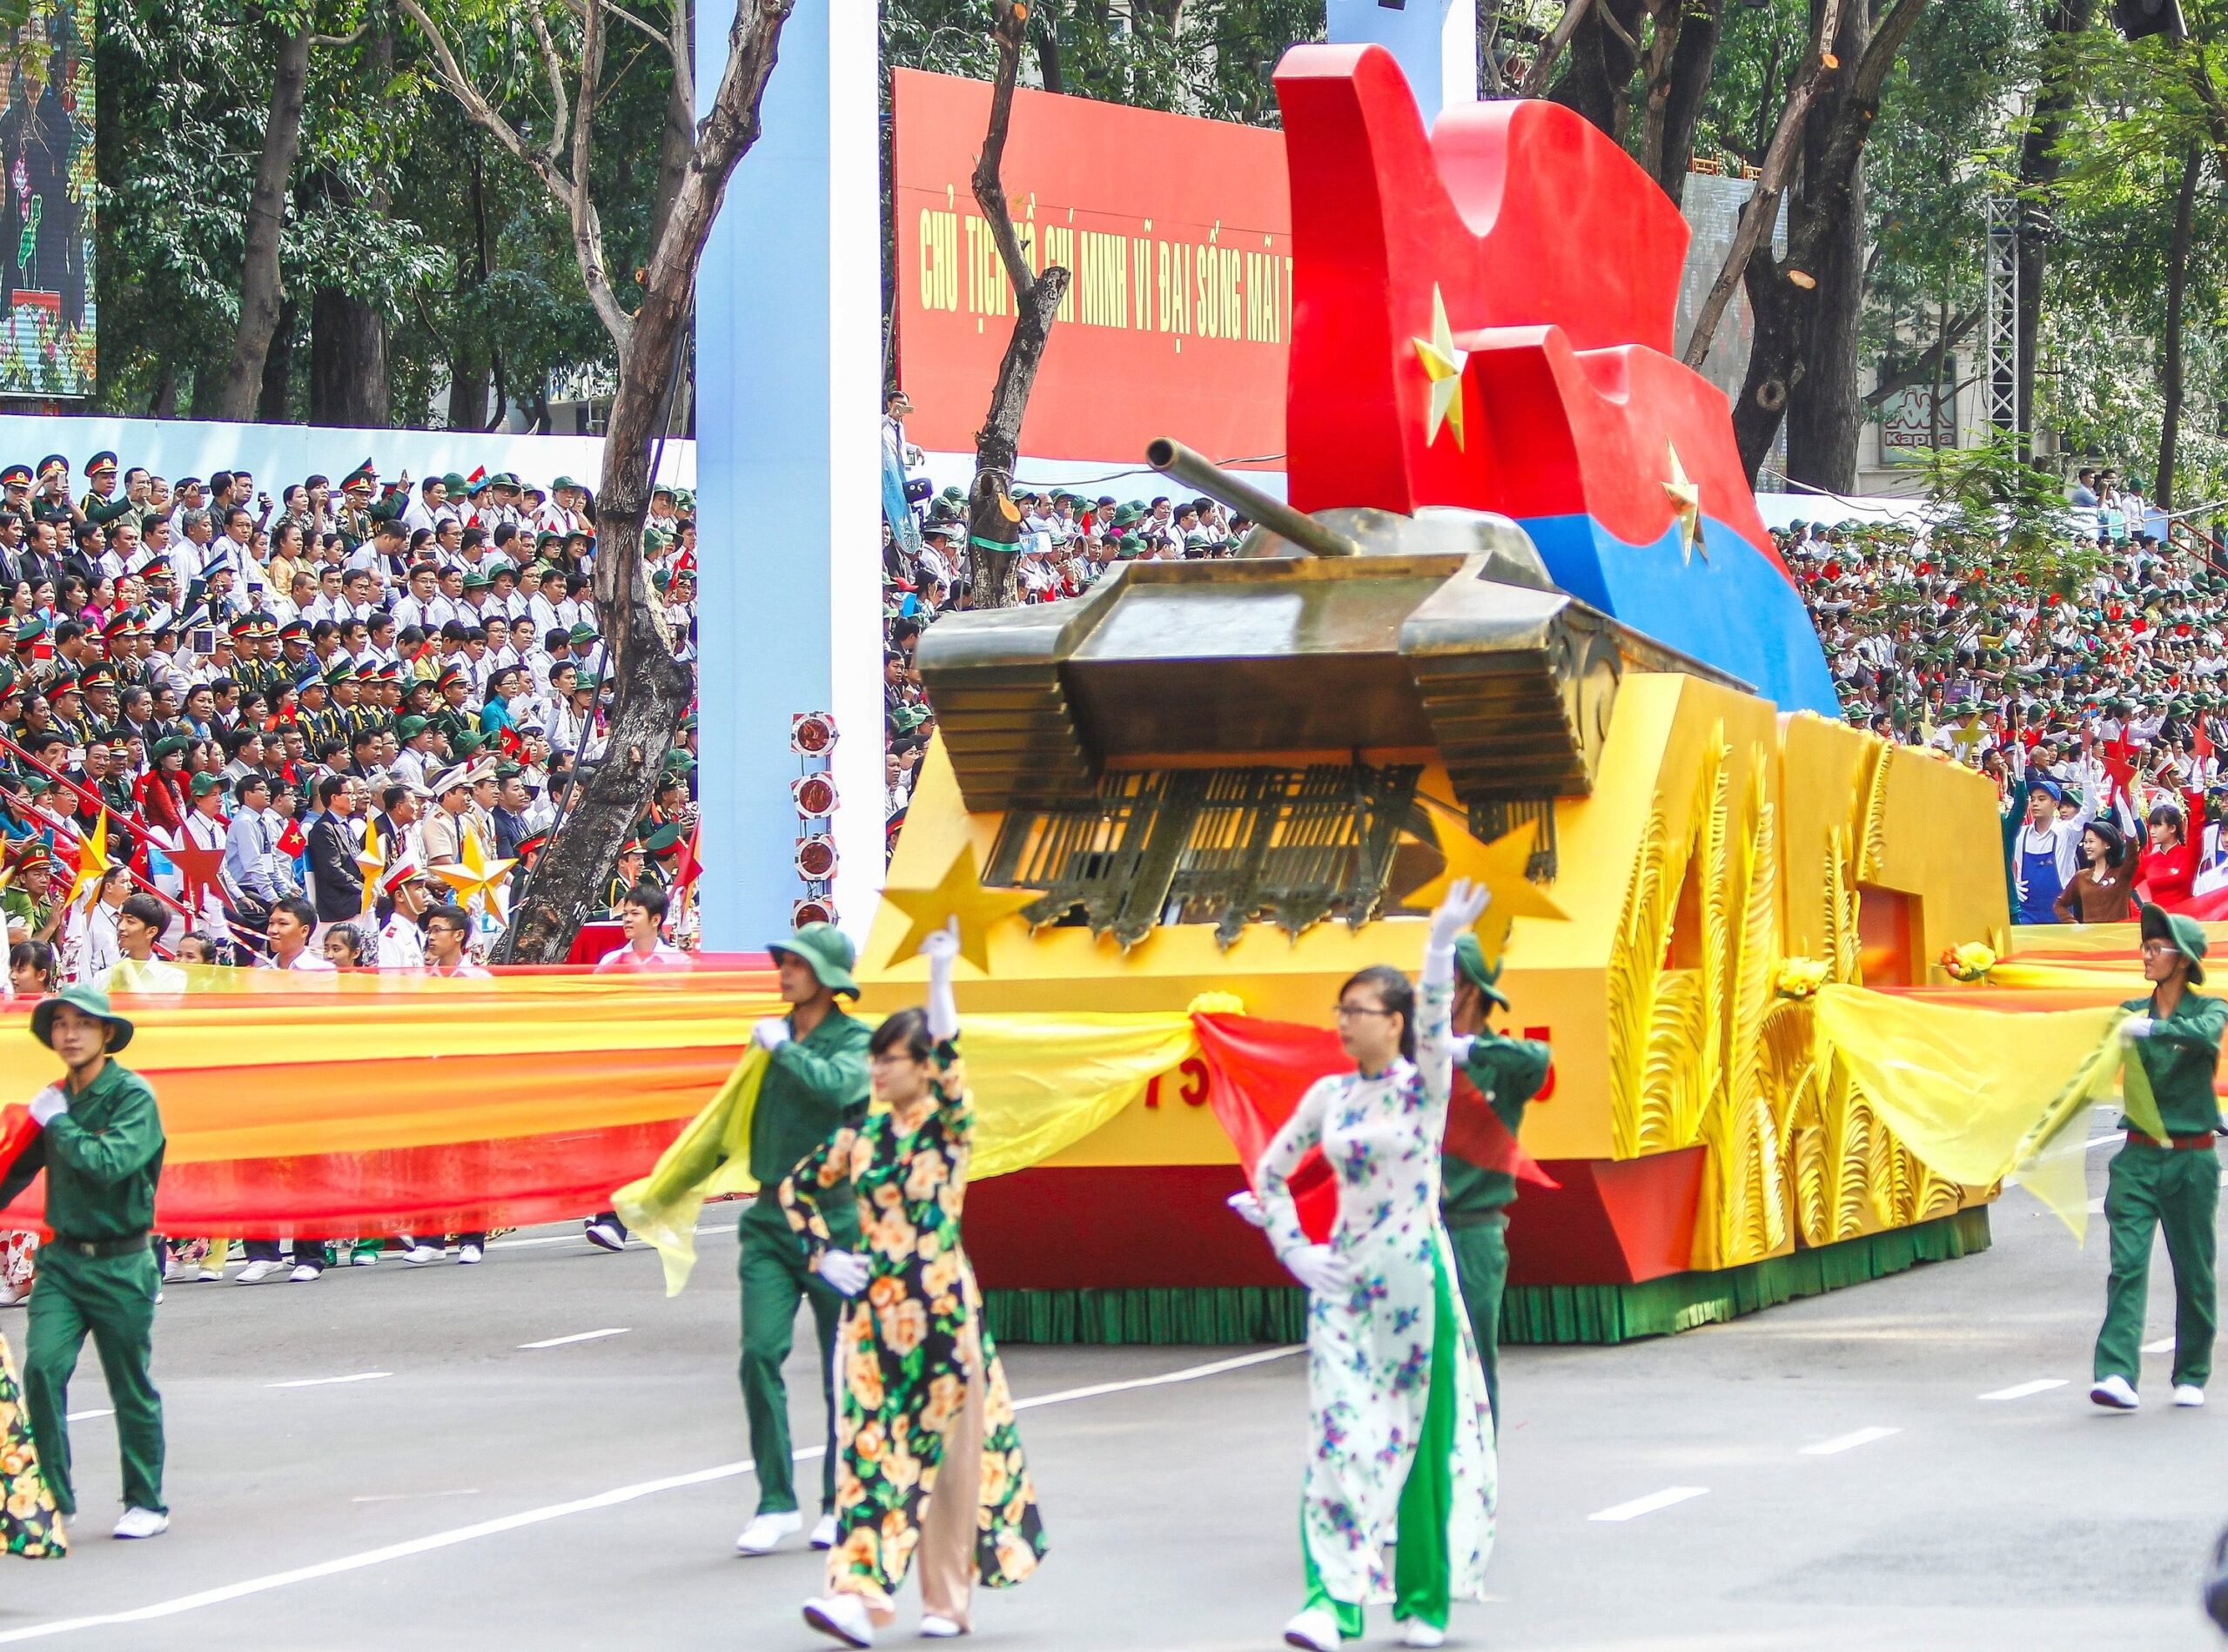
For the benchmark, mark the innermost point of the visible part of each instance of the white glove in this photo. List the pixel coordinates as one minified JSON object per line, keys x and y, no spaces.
{"x":1463,"y":1042}
{"x":1320,"y":1268}
{"x":771,"y":1033}
{"x":940,"y":948}
{"x":1248,"y":1206}
{"x":844,"y":1272}
{"x":48,"y":1104}
{"x":2136,"y":1026}
{"x":1458,"y":913}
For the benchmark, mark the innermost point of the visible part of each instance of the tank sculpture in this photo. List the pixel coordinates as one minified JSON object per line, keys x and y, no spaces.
{"x":1522,"y":620}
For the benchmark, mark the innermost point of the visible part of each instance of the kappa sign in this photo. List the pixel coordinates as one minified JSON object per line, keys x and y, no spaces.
{"x":1177,"y":234}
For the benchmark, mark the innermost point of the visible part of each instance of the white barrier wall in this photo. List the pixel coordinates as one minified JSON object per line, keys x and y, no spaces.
{"x":278,"y":454}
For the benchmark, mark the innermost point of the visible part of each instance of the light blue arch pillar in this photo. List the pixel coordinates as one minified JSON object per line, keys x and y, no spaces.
{"x":1435,"y":40}
{"x":788,"y":354}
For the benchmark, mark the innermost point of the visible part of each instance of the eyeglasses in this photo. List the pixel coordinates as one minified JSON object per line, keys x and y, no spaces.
{"x":1342,"y":1012}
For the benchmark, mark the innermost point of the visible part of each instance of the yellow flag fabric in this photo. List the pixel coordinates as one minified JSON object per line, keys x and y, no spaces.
{"x":1978,"y":1093}
{"x":1040,"y":1083}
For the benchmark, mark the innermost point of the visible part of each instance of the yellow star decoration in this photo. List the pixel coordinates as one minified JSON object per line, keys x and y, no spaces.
{"x":959,"y":893}
{"x":1499,"y":865}
{"x":1687,"y":505}
{"x":371,"y":864}
{"x":476,"y":875}
{"x":92,"y":861}
{"x":1443,"y":366}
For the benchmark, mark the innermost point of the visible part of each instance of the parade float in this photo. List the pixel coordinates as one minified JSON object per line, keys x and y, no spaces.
{"x":1520,"y":622}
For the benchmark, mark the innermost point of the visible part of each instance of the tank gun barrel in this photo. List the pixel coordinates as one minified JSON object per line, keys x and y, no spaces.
{"x":1173,"y":459}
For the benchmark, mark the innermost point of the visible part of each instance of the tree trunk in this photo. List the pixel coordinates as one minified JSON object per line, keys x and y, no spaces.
{"x":468,"y":367}
{"x":1784,"y":292}
{"x":2039,"y":165}
{"x":993,"y":521}
{"x":676,"y":144}
{"x":1823,"y":414}
{"x":1598,"y":63}
{"x":653,"y":688}
{"x":278,"y":369}
{"x":260,"y":295}
{"x":2177,"y":273}
{"x":349,"y":383}
{"x":1691,"y":66}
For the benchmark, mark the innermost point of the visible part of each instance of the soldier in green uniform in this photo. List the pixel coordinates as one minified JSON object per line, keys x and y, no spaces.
{"x":816,"y":1082}
{"x":102,"y":503}
{"x":2172,"y":1186}
{"x":100,"y":1144}
{"x":1505,"y":1073}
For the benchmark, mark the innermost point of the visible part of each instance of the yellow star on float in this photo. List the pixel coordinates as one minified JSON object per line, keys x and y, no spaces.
{"x":1443,"y":366}
{"x":476,"y":875}
{"x":1687,"y":506}
{"x":92,"y":861}
{"x":959,"y":893}
{"x":1499,"y":865}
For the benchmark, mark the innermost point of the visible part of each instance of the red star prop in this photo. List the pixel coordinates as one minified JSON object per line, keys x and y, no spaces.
{"x":199,"y":868}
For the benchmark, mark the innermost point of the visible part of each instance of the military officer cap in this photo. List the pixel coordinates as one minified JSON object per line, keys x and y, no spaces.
{"x":15,"y":476}
{"x":341,"y":670}
{"x":358,"y":480}
{"x":99,"y":463}
{"x":98,"y":677}
{"x":34,"y":851}
{"x":51,"y":464}
{"x":453,"y":674}
{"x":294,"y":630}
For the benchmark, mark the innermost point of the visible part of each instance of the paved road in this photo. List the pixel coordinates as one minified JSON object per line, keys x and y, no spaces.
{"x":1848,"y":1484}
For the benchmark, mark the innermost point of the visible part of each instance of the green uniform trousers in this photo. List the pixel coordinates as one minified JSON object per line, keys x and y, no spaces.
{"x":1423,"y":1576}
{"x":2178,"y":1193}
{"x":774,"y":1277}
{"x":112,"y":1299}
{"x":1482,"y":1269}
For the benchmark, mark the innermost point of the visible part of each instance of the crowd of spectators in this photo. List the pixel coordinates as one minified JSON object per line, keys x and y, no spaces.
{"x":302,"y":729}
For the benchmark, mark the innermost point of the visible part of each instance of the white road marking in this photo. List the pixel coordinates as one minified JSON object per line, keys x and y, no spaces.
{"x":2163,"y":1345}
{"x":2021,"y":1390}
{"x":1848,"y":1442}
{"x":577,"y":1336}
{"x":320,"y":1382}
{"x":611,"y":1499}
{"x":84,"y":1416}
{"x":1650,"y":1504}
{"x":412,"y":1496}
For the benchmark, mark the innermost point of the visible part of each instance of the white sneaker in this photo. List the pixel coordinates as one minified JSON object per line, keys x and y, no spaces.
{"x":364,"y":1258}
{"x":824,"y":1532}
{"x":421,"y":1253}
{"x":938,"y":1629}
{"x":12,"y":1295}
{"x":765,"y":1532}
{"x":256,"y":1272}
{"x":609,"y":1235}
{"x":1315,"y":1629}
{"x":1421,"y":1633}
{"x":2189,"y":1394}
{"x":843,"y":1617}
{"x":303,"y":1273}
{"x":177,"y":1272}
{"x":142,"y":1522}
{"x":209,"y":1275}
{"x":467,"y":1254}
{"x":2114,"y":1393}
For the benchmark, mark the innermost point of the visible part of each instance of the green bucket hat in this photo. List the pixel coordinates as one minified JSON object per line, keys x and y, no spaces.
{"x":1470,"y":965}
{"x":2185,"y":933}
{"x":828,"y":952}
{"x":93,"y":1001}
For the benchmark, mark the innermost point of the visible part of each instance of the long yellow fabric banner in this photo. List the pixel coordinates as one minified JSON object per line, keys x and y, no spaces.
{"x":1040,"y":1083}
{"x":1977,"y":1094}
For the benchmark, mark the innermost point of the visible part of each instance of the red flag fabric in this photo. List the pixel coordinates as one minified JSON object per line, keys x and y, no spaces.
{"x":1257,"y":1072}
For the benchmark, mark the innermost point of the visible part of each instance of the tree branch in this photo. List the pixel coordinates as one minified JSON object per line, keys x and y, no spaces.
{"x":587,"y":227}
{"x":1762,"y":212}
{"x":1921,"y":367}
{"x":481,"y":112}
{"x":560,"y":120}
{"x":990,"y":190}
{"x":684,"y":67}
{"x":1535,"y":78}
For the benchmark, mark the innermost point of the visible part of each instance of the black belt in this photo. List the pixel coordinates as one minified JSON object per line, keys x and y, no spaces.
{"x":101,"y":1247}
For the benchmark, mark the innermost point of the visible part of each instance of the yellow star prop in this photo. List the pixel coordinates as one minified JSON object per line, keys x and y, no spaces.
{"x":1687,"y":505}
{"x":1500,"y":866}
{"x":476,"y":875}
{"x":1443,"y":366}
{"x":959,"y":893}
{"x":371,"y":864}
{"x":92,"y":861}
